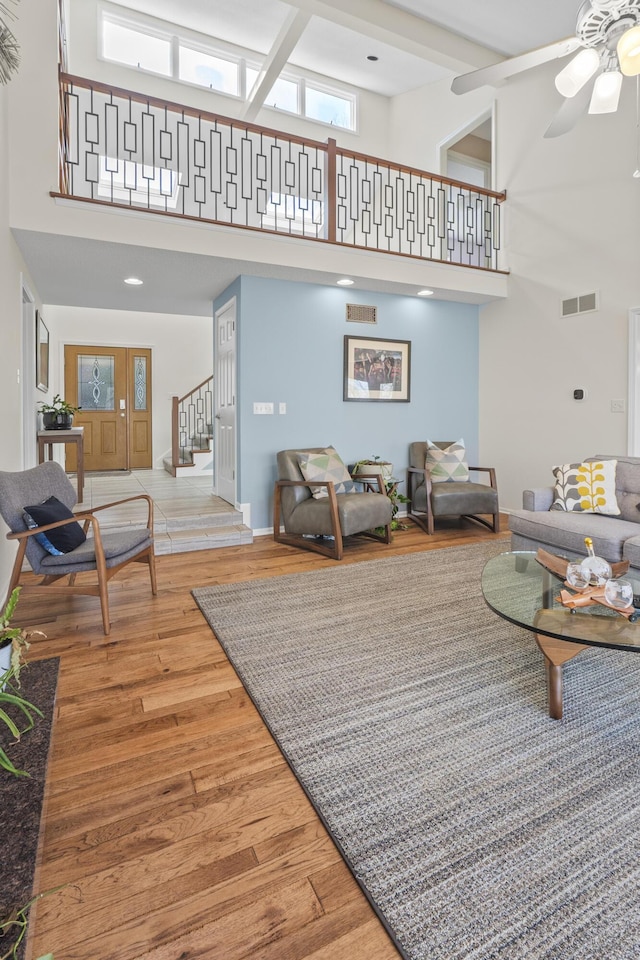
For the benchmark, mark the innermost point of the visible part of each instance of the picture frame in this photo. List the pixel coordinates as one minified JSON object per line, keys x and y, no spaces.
{"x":377,"y":369}
{"x":42,"y":354}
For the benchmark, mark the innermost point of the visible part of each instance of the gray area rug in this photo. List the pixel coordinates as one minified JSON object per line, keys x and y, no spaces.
{"x":416,"y":721}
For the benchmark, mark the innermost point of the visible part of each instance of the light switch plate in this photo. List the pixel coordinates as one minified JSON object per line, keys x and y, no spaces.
{"x":263,"y":408}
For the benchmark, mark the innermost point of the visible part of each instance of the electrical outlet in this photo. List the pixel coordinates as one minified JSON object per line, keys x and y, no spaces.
{"x":617,"y":406}
{"x":282,"y":408}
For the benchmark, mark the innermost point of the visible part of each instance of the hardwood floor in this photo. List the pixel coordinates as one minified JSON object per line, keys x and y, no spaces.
{"x":172,"y":820}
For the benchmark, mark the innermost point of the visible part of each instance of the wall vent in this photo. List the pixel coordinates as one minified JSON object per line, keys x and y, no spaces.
{"x":587,"y":303}
{"x":358,"y":313}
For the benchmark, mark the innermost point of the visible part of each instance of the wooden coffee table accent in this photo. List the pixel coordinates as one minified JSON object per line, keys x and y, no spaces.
{"x":556,"y":654}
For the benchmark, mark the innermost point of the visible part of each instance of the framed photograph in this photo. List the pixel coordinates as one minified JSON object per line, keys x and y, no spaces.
{"x":376,"y":369}
{"x":42,"y":354}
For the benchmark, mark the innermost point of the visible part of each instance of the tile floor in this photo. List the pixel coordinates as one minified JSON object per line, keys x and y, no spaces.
{"x":186,"y":514}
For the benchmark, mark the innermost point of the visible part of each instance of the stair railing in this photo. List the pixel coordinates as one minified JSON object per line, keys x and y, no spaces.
{"x":191,"y":423}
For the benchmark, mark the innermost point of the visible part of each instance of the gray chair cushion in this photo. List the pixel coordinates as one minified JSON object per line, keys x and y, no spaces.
{"x":356,"y":512}
{"x":118,"y":546}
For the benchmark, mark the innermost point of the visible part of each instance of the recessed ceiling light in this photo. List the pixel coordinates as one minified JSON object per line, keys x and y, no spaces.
{"x":372,"y":57}
{"x":345,"y":282}
{"x":134,"y":281}
{"x":425,"y":293}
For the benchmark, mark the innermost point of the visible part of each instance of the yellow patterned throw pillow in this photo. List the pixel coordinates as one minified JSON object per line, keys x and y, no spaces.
{"x":586,"y":487}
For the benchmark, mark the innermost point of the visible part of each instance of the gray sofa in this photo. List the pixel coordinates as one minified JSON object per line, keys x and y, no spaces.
{"x":614,"y":538}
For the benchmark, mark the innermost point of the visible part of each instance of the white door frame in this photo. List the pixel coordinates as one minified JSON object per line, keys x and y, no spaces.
{"x":633,"y":413}
{"x":28,"y":376}
{"x":225,"y":416}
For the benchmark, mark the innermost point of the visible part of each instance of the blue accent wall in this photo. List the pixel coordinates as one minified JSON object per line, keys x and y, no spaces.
{"x":290,"y":340}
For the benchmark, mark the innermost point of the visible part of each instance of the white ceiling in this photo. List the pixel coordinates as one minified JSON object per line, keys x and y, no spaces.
{"x":68,"y":271}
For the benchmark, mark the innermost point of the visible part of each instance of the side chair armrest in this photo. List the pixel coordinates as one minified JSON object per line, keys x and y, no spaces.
{"x":492,"y":474}
{"x":24,"y":534}
{"x":118,"y":503}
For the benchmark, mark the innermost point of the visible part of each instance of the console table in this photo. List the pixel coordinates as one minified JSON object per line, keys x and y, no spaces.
{"x":47,"y":438}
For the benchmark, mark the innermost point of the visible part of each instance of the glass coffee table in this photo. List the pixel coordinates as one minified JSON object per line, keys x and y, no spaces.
{"x":521,"y":590}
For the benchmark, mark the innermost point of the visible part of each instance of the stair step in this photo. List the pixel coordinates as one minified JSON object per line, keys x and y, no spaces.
{"x":202,"y":538}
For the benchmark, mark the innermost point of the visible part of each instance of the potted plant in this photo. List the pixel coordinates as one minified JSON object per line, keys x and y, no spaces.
{"x":375,"y":465}
{"x":385,"y":469}
{"x":14,"y":641}
{"x":57,"y":415}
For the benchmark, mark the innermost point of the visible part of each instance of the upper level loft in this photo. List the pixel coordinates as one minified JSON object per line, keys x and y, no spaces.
{"x":123,"y":149}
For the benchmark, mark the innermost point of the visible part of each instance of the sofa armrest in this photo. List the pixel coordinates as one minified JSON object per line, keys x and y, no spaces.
{"x":540,"y":498}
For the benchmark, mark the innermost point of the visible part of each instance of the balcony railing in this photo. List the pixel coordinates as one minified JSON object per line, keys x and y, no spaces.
{"x":128,"y":150}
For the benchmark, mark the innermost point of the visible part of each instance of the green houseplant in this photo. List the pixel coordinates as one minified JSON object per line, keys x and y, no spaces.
{"x":17,"y":715}
{"x":57,"y":415}
{"x":385,"y":469}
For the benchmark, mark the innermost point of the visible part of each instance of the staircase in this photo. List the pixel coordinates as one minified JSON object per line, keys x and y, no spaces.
{"x":192,"y":432}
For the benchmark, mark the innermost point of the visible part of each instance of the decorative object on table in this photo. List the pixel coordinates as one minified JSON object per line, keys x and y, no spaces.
{"x":377,"y":369}
{"x":42,"y":354}
{"x":57,"y":415}
{"x":588,"y":487}
{"x":385,"y":470}
{"x":374,"y":465}
{"x":597,"y":569}
{"x":453,"y":496}
{"x":558,"y":565}
{"x":619,"y":594}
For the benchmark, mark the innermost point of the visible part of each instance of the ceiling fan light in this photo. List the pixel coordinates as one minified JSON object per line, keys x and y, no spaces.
{"x":606,"y":92}
{"x":629,"y":52}
{"x":573,"y":77}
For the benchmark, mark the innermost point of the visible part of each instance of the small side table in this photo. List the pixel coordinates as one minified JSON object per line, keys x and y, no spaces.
{"x":47,"y":438}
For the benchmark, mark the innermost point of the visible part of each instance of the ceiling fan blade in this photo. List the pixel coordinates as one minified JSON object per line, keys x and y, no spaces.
{"x":507,"y":68}
{"x":570,"y":112}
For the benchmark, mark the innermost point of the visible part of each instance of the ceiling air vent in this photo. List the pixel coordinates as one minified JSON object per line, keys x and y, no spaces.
{"x":587,"y":303}
{"x":358,"y":313}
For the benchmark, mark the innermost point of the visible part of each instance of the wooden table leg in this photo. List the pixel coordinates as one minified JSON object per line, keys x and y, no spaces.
{"x":556,"y":654}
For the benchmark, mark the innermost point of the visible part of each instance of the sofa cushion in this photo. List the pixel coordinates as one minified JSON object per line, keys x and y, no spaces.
{"x":564,"y":533}
{"x":327,"y":465}
{"x":588,"y":487}
{"x":447,"y":464}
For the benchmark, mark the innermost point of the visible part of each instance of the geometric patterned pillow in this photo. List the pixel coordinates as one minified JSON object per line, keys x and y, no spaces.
{"x":447,"y":464}
{"x":586,"y":487}
{"x":326,"y":466}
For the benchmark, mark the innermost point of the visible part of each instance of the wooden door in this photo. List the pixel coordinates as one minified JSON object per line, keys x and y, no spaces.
{"x":112,"y":385}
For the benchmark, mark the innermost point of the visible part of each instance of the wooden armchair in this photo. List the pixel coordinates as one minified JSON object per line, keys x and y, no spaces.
{"x":104,"y":553}
{"x":321,"y":523}
{"x":428,"y":500}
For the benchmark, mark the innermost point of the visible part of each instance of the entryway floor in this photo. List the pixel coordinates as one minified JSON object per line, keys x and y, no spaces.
{"x":186,"y":514}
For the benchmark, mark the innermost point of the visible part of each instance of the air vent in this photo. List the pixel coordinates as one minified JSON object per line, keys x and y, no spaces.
{"x":587,"y":303}
{"x":358,"y":313}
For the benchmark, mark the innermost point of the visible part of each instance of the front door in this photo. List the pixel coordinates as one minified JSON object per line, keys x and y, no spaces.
{"x":225,"y":412}
{"x":112,"y":385}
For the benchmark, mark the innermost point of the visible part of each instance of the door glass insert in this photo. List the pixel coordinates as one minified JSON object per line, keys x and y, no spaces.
{"x":140,"y":383}
{"x":96,"y":383}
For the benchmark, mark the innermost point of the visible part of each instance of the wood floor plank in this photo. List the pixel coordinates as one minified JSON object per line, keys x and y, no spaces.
{"x":174,"y":822}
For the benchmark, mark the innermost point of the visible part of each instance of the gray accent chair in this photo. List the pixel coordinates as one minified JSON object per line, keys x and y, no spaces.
{"x":427,"y":500}
{"x":102,"y":553}
{"x":321,"y":525}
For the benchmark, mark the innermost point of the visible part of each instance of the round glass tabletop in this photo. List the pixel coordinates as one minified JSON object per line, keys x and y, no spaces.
{"x":517,"y":587}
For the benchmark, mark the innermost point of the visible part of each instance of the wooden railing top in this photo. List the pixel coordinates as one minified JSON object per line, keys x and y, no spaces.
{"x":195,"y":389}
{"x":329,"y":145}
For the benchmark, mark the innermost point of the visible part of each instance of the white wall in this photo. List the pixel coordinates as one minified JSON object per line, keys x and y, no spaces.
{"x":182,"y":353}
{"x":573,"y":228}
{"x":372,"y":135}
{"x":12,"y":363}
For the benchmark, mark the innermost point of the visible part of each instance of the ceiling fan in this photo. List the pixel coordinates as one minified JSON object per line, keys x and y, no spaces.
{"x":608,"y":35}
